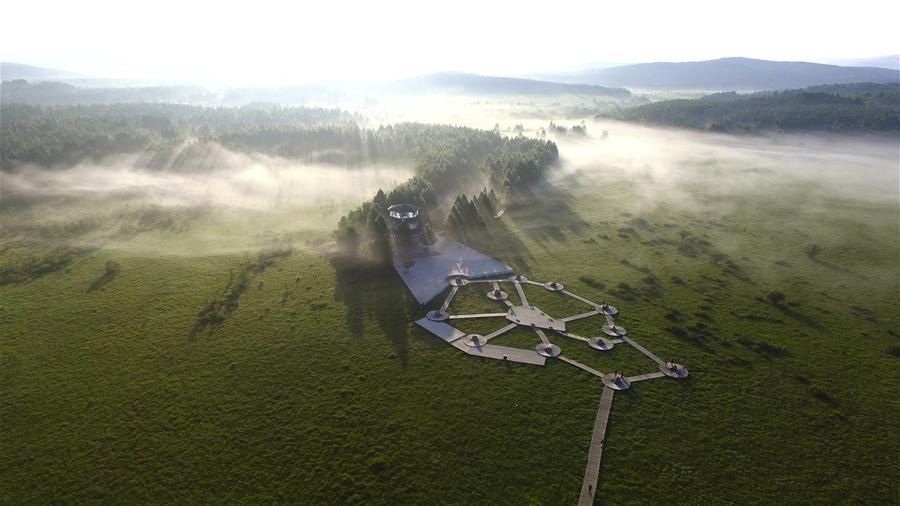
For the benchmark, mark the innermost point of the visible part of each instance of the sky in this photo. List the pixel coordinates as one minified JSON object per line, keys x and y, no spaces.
{"x":304,"y":41}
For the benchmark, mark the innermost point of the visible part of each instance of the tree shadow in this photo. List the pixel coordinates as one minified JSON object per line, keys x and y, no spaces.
{"x":502,"y":243}
{"x":547,"y":214}
{"x":763,"y":348}
{"x":226,"y":301}
{"x":837,"y":268}
{"x":42,"y":264}
{"x":375,"y":292}
{"x":112,"y":270}
{"x":800,"y":317}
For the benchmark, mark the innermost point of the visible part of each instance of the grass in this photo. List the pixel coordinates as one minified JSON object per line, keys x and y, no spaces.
{"x":317,"y":387}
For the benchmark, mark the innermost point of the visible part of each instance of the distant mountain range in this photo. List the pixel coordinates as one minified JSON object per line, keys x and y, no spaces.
{"x":463,"y":83}
{"x":13,"y":71}
{"x":858,"y":107}
{"x":890,"y":61}
{"x":724,"y":74}
{"x":730,"y":74}
{"x":52,"y":92}
{"x":42,"y":90}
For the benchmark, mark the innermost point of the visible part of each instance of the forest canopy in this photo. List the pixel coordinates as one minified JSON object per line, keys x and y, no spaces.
{"x":448,"y":160}
{"x":51,"y":135}
{"x":857,"y":107}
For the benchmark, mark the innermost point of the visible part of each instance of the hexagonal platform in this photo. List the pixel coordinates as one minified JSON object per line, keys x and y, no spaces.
{"x":531,"y":316}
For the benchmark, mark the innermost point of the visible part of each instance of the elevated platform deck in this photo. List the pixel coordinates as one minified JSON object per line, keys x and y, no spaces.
{"x":426,"y":276}
{"x":455,"y":337}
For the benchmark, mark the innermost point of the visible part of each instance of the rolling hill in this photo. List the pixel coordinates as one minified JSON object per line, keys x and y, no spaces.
{"x":858,"y":107}
{"x":12,"y":71}
{"x":888,"y":61}
{"x":458,"y":82}
{"x":732,"y":74}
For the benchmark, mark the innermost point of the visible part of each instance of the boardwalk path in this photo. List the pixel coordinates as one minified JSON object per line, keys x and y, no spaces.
{"x":643,"y":350}
{"x":522,"y":298}
{"x":449,"y":298}
{"x":580,"y":366}
{"x":589,"y":485}
{"x":648,"y":376}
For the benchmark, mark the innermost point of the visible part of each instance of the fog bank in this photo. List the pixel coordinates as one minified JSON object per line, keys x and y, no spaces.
{"x":240,"y":180}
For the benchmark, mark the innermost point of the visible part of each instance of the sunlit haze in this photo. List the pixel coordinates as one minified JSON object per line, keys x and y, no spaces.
{"x":310,"y":41}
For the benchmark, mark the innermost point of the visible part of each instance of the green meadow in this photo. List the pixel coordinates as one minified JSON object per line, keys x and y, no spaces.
{"x":198,"y":353}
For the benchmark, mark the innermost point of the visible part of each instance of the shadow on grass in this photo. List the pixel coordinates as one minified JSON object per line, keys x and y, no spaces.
{"x":697,"y":335}
{"x":800,"y":317}
{"x":376,"y":293}
{"x":764,"y":348}
{"x":503,"y":244}
{"x":836,"y":268}
{"x":220,"y":307}
{"x":42,"y":264}
{"x":111,"y":271}
{"x":547,"y":214}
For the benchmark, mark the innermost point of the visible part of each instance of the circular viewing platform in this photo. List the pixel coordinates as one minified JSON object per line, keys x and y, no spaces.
{"x":674,"y":370}
{"x":599,"y":343}
{"x":616,"y":383}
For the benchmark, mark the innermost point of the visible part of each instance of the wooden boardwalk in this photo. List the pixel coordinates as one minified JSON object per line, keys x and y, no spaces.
{"x":643,"y":350}
{"x":449,"y":299}
{"x":648,"y":376}
{"x":589,"y":485}
{"x":504,"y":353}
{"x":573,"y":336}
{"x":479,"y":315}
{"x":526,"y":316}
{"x":498,"y":332}
{"x":455,"y":337}
{"x":521,"y":292}
{"x":581,"y":366}
{"x":580,"y":316}
{"x":582,"y":299}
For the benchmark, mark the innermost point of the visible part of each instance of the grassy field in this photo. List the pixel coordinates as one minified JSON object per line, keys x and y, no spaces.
{"x":312,"y":384}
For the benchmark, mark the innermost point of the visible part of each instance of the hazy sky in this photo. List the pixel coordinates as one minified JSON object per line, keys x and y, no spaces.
{"x":333,"y":39}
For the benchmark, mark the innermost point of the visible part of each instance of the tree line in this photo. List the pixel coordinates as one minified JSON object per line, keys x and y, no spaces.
{"x":449,"y":160}
{"x":55,"y":135}
{"x":858,"y":107}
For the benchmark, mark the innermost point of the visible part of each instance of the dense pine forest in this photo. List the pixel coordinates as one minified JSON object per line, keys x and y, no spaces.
{"x":859,"y":107}
{"x":52,"y":135}
{"x":20,"y":91}
{"x":450,"y":160}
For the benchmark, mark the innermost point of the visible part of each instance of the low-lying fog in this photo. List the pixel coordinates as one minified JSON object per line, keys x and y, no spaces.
{"x":241,"y":180}
{"x":658,"y":167}
{"x":862,"y":167}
